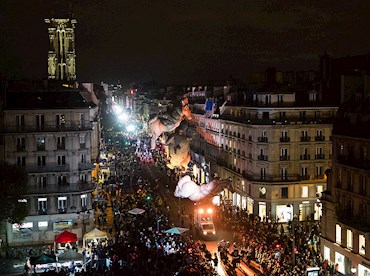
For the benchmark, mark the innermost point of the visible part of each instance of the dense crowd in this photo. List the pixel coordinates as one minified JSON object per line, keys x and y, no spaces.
{"x":268,"y":248}
{"x":139,"y":244}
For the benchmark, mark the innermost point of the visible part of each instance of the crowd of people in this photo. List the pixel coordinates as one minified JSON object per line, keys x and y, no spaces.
{"x":139,"y":244}
{"x":269,"y":249}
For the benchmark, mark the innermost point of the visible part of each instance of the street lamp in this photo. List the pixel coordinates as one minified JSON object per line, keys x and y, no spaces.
{"x":84,"y":216}
{"x":353,"y":270}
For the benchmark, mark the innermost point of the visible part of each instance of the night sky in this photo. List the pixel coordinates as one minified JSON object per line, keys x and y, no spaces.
{"x":183,"y":41}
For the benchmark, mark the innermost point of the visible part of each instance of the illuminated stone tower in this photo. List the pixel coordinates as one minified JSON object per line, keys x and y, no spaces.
{"x":62,"y":57}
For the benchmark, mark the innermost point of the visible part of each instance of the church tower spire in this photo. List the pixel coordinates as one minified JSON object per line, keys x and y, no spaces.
{"x":62,"y":56}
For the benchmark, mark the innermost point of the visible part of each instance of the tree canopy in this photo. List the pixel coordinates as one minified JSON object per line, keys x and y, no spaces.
{"x":13,"y":187}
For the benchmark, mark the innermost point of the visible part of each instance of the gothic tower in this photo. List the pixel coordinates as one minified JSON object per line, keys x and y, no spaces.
{"x":62,"y":57}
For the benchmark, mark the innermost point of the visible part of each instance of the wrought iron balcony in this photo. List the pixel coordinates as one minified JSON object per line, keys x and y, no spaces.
{"x":305,"y":157}
{"x":263,"y":157}
{"x":284,"y":157}
{"x":47,"y":168}
{"x":50,"y":127}
{"x":320,"y":156}
{"x":285,"y":139}
{"x":263,"y":139}
{"x":319,"y":138}
{"x":305,"y":138}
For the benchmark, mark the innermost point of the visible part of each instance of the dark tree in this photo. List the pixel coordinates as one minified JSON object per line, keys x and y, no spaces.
{"x":13,"y":187}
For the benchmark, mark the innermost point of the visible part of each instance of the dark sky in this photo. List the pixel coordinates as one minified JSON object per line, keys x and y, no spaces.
{"x":181,"y":41}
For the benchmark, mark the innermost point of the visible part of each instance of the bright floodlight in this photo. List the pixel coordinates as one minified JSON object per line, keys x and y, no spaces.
{"x":130,"y":128}
{"x":117,"y":109}
{"x":123,"y":117}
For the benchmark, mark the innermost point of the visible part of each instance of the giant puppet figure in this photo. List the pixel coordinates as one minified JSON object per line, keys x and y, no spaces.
{"x":179,"y":147}
{"x":187,"y":188}
{"x":169,"y":122}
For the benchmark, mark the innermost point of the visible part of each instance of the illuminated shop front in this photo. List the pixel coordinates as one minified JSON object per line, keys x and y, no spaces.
{"x":284,"y":213}
{"x":262,"y":210}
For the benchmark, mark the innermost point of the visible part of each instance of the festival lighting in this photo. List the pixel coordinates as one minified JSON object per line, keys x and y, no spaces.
{"x":131,"y":128}
{"x":209,"y":210}
{"x":123,"y":117}
{"x":201,"y":211}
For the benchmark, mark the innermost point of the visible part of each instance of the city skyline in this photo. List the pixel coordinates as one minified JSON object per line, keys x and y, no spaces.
{"x":182,"y":42}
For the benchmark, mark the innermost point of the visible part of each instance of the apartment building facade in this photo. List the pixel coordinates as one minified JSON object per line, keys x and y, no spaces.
{"x":345,"y":229}
{"x":275,"y":152}
{"x":49,"y":134}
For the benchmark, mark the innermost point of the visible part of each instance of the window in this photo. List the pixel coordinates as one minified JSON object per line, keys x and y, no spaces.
{"x":319,"y":171}
{"x":61,"y":143}
{"x":82,"y":142}
{"x":263,"y":173}
{"x":284,"y":192}
{"x":61,"y":160}
{"x":21,"y":161}
{"x":361,"y":244}
{"x":21,"y":144}
{"x":41,"y":143}
{"x":363,"y":185}
{"x":284,"y":173}
{"x":62,"y":203}
{"x":304,"y":173}
{"x":349,"y":239}
{"x":280,"y":99}
{"x":41,"y":181}
{"x":83,"y":158}
{"x":40,"y":122}
{"x":19,"y":120}
{"x":243,"y":186}
{"x":41,"y":160}
{"x":338,"y":234}
{"x":43,"y":225}
{"x":62,"y":180}
{"x":302,"y":115}
{"x":42,"y":204}
{"x":60,"y":120}
{"x":84,"y":200}
{"x":319,"y":190}
{"x":283,"y":154}
{"x":305,"y":191}
{"x":82,"y":120}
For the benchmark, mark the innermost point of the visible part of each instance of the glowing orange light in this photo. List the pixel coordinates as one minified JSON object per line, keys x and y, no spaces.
{"x":201,"y":211}
{"x":209,"y":210}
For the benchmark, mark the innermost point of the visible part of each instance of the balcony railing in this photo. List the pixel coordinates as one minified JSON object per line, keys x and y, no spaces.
{"x":61,"y":146}
{"x":85,"y":166}
{"x":284,"y":157}
{"x":305,"y":157}
{"x":305,"y":138}
{"x":62,"y":210}
{"x":48,"y":168}
{"x":48,"y":128}
{"x":284,"y":139}
{"x":319,"y":138}
{"x":304,"y":177}
{"x":263,"y":139}
{"x":43,"y":212}
{"x":263,"y":157}
{"x":351,"y":161}
{"x":55,"y":189}
{"x":271,"y":178}
{"x":320,"y":156}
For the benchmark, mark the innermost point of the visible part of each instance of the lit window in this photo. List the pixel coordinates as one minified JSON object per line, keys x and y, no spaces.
{"x":62,"y":202}
{"x":319,"y":190}
{"x":338,"y":234}
{"x":84,"y":200}
{"x":349,"y":239}
{"x":361,"y":244}
{"x":305,"y":191}
{"x":42,"y":224}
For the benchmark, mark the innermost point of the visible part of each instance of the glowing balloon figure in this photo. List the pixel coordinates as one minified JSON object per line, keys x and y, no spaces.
{"x":169,"y":122}
{"x":179,"y":147}
{"x":187,"y":188}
